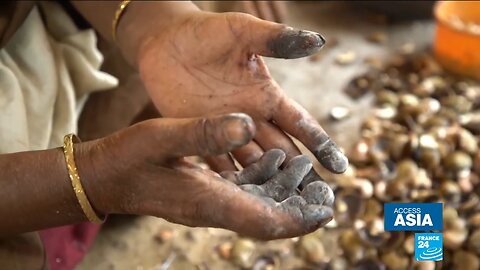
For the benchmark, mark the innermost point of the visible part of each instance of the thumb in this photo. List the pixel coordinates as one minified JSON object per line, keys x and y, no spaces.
{"x":276,"y":40}
{"x":205,"y":136}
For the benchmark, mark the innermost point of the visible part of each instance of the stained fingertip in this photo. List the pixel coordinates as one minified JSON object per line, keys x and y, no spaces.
{"x":316,"y":216}
{"x":275,"y":157}
{"x":330,"y":156}
{"x":299,"y":166}
{"x":292,"y":43}
{"x":238,"y":128}
{"x":319,"y":193}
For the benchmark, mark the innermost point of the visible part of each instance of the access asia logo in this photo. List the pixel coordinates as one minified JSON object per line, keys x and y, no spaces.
{"x":413,"y":217}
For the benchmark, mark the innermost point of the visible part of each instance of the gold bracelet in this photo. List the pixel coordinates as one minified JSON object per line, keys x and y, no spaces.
{"x":118,"y":14}
{"x":75,"y":179}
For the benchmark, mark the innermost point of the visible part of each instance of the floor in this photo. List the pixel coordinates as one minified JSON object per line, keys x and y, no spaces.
{"x":316,"y":83}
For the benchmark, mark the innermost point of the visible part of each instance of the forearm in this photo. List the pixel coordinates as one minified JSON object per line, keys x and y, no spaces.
{"x":139,"y":21}
{"x":35,"y":192}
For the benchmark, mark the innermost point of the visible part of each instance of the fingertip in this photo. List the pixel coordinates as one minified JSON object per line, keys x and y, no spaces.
{"x":277,"y":156}
{"x":301,"y":164}
{"x":292,"y":43}
{"x":318,"y":193}
{"x":316,"y":216}
{"x":332,"y":158}
{"x":238,"y":128}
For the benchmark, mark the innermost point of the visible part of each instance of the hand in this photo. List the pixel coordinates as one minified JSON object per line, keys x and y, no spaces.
{"x":141,"y":170}
{"x":208,"y":63}
{"x":278,"y":188}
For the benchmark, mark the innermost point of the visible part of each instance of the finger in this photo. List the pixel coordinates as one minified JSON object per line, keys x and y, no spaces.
{"x":311,"y":216}
{"x":248,"y":153}
{"x":315,"y":216}
{"x":175,"y":138}
{"x":318,"y":193}
{"x":284,"y":184}
{"x":270,"y":136}
{"x":259,"y":172}
{"x":221,"y":163}
{"x":275,"y":40}
{"x":264,"y":10}
{"x":295,"y":120}
{"x":261,"y":219}
{"x":279,"y":9}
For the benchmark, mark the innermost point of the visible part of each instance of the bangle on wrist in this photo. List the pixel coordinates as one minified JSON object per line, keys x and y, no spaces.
{"x":87,"y":208}
{"x":118,"y":15}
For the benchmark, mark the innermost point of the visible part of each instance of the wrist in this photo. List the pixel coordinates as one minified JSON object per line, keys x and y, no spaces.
{"x":144,"y":20}
{"x":91,"y":169}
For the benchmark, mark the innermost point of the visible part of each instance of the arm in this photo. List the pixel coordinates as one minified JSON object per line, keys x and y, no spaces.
{"x":135,"y":24}
{"x":36,"y":192}
{"x":140,"y":170}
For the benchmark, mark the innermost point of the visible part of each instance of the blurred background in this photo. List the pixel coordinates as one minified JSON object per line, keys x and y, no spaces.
{"x":399,"y":91}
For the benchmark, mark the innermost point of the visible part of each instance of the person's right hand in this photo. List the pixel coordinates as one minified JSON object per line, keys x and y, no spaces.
{"x":141,"y":170}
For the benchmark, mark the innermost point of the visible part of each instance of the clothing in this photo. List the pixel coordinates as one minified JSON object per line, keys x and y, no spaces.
{"x":48,"y":67}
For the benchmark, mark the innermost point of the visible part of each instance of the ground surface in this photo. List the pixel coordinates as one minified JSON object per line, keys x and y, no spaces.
{"x":130,"y":243}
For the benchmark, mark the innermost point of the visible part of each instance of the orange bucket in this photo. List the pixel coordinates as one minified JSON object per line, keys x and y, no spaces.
{"x":457,"y":38}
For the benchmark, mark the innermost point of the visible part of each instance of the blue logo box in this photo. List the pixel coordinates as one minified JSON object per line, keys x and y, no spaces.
{"x":413,"y":216}
{"x":428,"y":247}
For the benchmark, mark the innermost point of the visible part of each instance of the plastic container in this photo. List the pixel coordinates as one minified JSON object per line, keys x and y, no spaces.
{"x":457,"y":37}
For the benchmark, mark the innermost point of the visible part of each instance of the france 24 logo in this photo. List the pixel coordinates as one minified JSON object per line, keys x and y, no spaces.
{"x":428,"y":247}
{"x":413,"y":217}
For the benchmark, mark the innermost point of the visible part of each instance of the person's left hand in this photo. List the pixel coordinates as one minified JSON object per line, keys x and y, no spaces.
{"x":209,"y":63}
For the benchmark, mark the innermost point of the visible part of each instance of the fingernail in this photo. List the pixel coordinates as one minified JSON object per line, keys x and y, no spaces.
{"x":238,"y":128}
{"x":332,"y":158}
{"x":291,"y":43}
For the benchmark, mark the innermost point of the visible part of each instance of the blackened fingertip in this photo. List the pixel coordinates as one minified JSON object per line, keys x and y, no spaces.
{"x":292,"y":43}
{"x":277,"y":156}
{"x":319,"y":193}
{"x":299,"y":166}
{"x":317,"y":216}
{"x":337,"y":162}
{"x":332,"y":158}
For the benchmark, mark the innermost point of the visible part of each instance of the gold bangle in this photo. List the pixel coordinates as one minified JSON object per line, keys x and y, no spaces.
{"x":118,"y":14}
{"x":75,"y":179}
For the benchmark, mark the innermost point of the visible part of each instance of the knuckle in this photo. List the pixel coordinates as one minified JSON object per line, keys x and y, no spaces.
{"x":204,"y":139}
